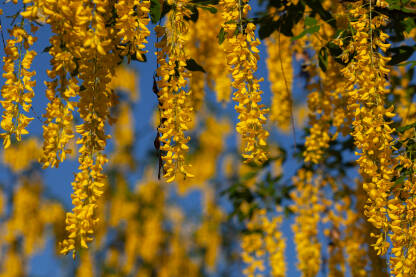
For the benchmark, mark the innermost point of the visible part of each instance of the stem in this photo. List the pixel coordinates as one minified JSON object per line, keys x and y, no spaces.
{"x":289,"y":94}
{"x":240,"y":15}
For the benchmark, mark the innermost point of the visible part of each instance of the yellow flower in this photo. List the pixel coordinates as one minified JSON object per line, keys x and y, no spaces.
{"x":19,"y":157}
{"x":242,"y":56}
{"x":307,"y":209}
{"x":264,"y":239}
{"x":175,"y":104}
{"x":17,"y":91}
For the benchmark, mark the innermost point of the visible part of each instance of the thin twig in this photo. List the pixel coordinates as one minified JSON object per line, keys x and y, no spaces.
{"x":289,"y":94}
{"x":36,"y":115}
{"x":371,"y":37}
{"x":241,"y":16}
{"x":2,"y":35}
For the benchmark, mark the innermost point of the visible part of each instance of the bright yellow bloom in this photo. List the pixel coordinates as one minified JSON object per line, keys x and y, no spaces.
{"x":242,"y":56}
{"x":131,"y":23}
{"x":175,"y":104}
{"x":98,"y":58}
{"x":17,"y":92}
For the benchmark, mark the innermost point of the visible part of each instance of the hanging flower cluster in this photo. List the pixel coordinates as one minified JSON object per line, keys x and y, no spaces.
{"x":175,"y":103}
{"x":307,"y":208}
{"x":58,"y":129}
{"x":97,"y":58}
{"x":17,"y":92}
{"x":20,"y":157}
{"x":131,"y":23}
{"x":242,"y":56}
{"x":366,"y":88}
{"x":326,"y":110}
{"x":93,"y":107}
{"x":264,"y":239}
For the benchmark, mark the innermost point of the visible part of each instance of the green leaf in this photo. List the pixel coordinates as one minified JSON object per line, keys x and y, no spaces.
{"x":290,"y":16}
{"x":411,"y":63}
{"x":394,"y":4}
{"x":210,"y":9}
{"x":316,"y":6}
{"x":205,"y":2}
{"x":323,"y":58}
{"x":46,"y":49}
{"x":409,"y":24}
{"x":288,"y":212}
{"x":155,"y":11}
{"x":339,"y":33}
{"x":310,"y":31}
{"x":336,"y":51}
{"x":221,"y":36}
{"x":406,"y":127}
{"x":400,"y":54}
{"x":192,"y":65}
{"x":248,"y":176}
{"x":267,"y":27}
{"x":194,"y":15}
{"x":290,"y":19}
{"x":400,"y":180}
{"x":310,"y":21}
{"x":311,"y":27}
{"x":166,"y":9}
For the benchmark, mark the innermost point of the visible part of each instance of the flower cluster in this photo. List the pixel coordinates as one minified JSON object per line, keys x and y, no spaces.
{"x":58,"y":128}
{"x":325,"y":110}
{"x":132,"y":18}
{"x":97,"y":61}
{"x":264,"y":239}
{"x":20,"y":156}
{"x":204,"y":159}
{"x":242,"y":56}
{"x":175,"y":103}
{"x":209,"y":234}
{"x":89,"y":40}
{"x":27,"y":220}
{"x":388,"y":207}
{"x":17,"y":92}
{"x":307,"y":208}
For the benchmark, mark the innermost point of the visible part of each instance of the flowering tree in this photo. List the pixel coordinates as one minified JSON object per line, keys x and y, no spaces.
{"x":344,"y":184}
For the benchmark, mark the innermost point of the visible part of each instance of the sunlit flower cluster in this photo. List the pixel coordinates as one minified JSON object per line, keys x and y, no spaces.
{"x":17,"y":92}
{"x":373,"y":135}
{"x":242,"y":55}
{"x":131,"y":23}
{"x":175,"y":103}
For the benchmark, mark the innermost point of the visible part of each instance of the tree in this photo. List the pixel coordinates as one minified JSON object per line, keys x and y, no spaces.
{"x":177,"y":197}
